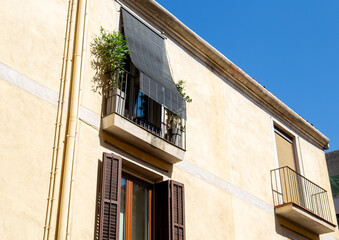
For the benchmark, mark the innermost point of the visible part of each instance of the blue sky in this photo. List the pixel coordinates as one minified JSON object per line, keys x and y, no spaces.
{"x":291,"y":47}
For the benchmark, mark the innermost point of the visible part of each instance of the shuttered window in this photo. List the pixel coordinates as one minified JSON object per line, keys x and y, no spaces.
{"x":178,"y":210}
{"x":169,"y":211}
{"x":110,"y":201}
{"x":169,"y":206}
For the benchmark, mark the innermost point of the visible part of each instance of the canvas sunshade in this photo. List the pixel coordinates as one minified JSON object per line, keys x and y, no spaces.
{"x":148,"y":54}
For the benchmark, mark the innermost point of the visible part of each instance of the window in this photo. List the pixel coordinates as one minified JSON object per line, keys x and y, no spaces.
{"x":140,"y":108}
{"x":127,"y":203}
{"x":135,"y":209}
{"x":285,"y":149}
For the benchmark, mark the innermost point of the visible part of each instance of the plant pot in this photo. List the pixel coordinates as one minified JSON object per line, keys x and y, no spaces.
{"x":176,"y":136}
{"x":115,"y":102}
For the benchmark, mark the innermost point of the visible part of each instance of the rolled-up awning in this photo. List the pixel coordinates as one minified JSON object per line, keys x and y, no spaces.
{"x":148,"y":54}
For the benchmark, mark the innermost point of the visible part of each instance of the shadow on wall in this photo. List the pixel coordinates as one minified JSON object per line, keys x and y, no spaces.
{"x":292,"y":231}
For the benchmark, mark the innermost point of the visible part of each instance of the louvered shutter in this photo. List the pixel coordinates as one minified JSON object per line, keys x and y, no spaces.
{"x":169,"y":211}
{"x":110,"y":200}
{"x":178,"y":211}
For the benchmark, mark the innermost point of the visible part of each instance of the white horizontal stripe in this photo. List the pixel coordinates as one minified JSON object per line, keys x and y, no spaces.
{"x":90,"y":117}
{"x":21,"y":81}
{"x":225,"y":186}
{"x":10,"y":75}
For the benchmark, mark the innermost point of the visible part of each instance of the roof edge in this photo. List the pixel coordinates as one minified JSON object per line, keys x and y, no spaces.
{"x":165,"y":21}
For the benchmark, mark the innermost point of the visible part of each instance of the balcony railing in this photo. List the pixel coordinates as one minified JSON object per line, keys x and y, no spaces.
{"x":130,"y":103}
{"x":288,"y":186}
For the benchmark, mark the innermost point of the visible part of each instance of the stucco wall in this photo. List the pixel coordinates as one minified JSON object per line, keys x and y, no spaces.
{"x":32,"y":36}
{"x":26,"y":129}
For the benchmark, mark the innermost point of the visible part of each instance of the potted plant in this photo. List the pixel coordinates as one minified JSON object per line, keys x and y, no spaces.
{"x":110,"y":52}
{"x":175,"y":124}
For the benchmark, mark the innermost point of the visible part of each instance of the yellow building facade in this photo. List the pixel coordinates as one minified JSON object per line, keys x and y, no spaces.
{"x":79,"y":165}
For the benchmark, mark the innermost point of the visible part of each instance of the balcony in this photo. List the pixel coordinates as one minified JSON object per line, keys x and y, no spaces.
{"x":301,"y":201}
{"x":136,"y":119}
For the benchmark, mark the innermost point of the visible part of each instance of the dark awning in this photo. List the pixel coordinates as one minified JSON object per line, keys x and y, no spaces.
{"x":148,"y":54}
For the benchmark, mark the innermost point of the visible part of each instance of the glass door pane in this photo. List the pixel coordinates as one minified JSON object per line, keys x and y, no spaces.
{"x":140,"y":213}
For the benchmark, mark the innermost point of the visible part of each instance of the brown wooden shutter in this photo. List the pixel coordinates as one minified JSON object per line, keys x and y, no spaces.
{"x":110,"y":201}
{"x":178,"y":211}
{"x":169,"y":211}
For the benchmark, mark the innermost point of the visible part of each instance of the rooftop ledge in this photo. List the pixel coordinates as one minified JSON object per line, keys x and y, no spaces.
{"x":304,"y":218}
{"x":127,"y":131}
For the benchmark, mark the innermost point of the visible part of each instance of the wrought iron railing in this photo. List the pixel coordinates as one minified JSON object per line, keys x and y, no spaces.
{"x":129,"y":102}
{"x":288,"y":186}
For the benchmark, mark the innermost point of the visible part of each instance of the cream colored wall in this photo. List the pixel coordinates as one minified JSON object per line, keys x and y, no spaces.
{"x":229,"y":136}
{"x":208,"y":210}
{"x":26,"y":130}
{"x":224,"y":128}
{"x":84,"y":202}
{"x":32,"y":40}
{"x":32,"y":37}
{"x":205,"y":115}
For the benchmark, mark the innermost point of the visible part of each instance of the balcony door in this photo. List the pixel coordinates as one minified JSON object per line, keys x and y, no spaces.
{"x":291,"y":183}
{"x":135,"y":209}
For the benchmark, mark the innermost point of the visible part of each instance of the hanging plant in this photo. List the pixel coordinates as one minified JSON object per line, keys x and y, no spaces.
{"x":110,"y":51}
{"x":173,"y":120}
{"x":181,"y":90}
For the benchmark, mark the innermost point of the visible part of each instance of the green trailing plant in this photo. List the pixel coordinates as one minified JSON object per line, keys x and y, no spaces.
{"x":181,"y":90}
{"x":173,"y":120}
{"x":110,"y":52}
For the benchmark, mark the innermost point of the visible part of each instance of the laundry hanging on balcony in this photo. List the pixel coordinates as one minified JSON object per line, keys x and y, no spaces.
{"x":148,"y":54}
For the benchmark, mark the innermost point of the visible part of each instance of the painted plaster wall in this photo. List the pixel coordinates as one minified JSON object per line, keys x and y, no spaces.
{"x":227,"y":133}
{"x":32,"y":38}
{"x":26,"y":130}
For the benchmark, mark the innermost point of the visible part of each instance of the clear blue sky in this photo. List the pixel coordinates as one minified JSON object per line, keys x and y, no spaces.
{"x":291,"y":47}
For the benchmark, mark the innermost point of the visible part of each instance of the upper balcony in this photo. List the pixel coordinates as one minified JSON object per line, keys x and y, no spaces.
{"x":301,"y":201}
{"x":136,"y":119}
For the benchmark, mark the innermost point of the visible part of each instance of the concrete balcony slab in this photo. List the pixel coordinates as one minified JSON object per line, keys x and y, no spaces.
{"x":129,"y":132}
{"x":304,"y":218}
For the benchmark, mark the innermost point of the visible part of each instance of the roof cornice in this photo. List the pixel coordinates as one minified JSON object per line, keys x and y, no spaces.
{"x":165,"y":21}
